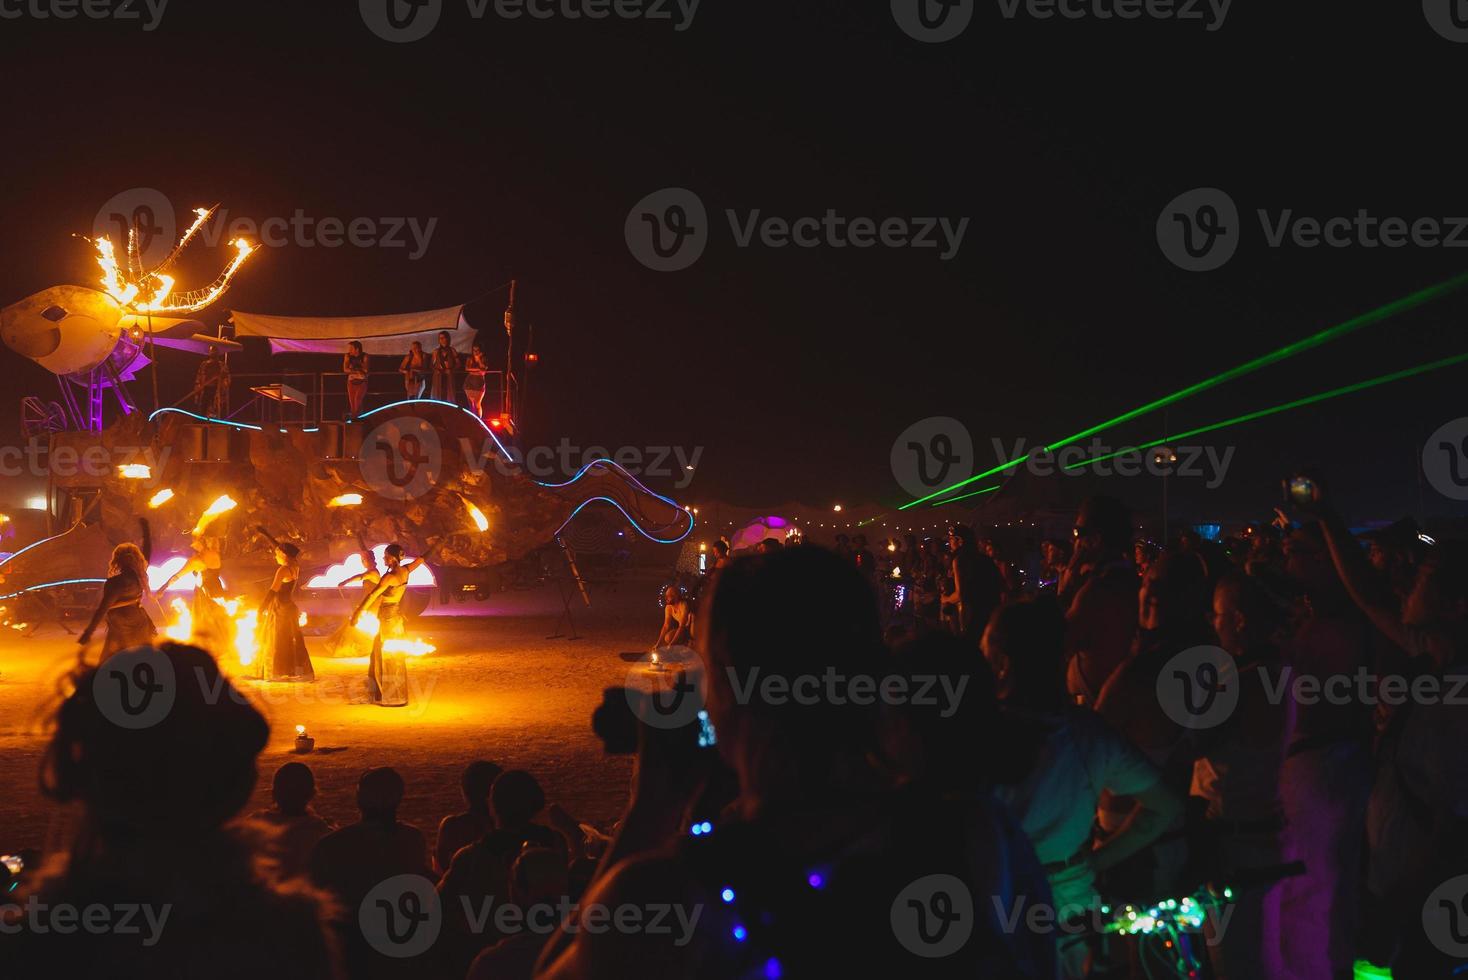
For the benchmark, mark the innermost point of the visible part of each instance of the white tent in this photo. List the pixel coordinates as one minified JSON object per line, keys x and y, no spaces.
{"x":390,"y":334}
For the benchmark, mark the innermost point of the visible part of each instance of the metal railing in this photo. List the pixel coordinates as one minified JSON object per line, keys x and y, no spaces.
{"x":325,"y":395}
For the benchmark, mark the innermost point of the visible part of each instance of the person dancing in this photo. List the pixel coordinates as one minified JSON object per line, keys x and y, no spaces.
{"x":414,"y":370}
{"x":354,"y":365}
{"x":212,"y":628}
{"x":128,"y":624}
{"x":283,"y":655}
{"x":348,"y":641}
{"x":387,"y":670}
{"x":475,"y":369}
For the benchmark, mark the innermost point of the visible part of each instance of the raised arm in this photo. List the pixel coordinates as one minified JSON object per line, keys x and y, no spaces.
{"x":1362,"y":585}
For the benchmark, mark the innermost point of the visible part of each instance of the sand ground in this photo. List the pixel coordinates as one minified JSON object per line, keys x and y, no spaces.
{"x":496,"y":688}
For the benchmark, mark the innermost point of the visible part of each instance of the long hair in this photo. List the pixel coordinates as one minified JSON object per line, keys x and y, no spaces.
{"x":128,"y":559}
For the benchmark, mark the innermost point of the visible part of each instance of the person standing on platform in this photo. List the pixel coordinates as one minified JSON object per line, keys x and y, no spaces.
{"x":354,"y":366}
{"x":414,"y":370}
{"x":445,"y":362}
{"x":475,"y":369}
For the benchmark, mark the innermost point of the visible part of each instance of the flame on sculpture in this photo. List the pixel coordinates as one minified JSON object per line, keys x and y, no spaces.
{"x":152,"y":292}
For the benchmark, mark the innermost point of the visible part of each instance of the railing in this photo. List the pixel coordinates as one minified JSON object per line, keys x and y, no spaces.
{"x":325,"y":395}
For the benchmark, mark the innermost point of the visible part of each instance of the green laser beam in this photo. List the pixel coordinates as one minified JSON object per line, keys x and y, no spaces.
{"x":1285,"y":407}
{"x":968,"y":495}
{"x":1290,"y":350}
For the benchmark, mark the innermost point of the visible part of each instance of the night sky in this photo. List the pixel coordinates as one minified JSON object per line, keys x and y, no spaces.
{"x":1061,"y":141}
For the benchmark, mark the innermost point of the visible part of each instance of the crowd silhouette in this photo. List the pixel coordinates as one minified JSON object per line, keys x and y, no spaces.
{"x":1016,"y":767}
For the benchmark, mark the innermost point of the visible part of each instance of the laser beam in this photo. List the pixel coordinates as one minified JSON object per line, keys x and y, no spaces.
{"x":1289,"y":350}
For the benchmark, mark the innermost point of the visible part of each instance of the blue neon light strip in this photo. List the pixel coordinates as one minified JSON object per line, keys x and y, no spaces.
{"x":52,"y":585}
{"x":436,"y":401}
{"x":34,"y":544}
{"x":630,"y":520}
{"x":205,"y":418}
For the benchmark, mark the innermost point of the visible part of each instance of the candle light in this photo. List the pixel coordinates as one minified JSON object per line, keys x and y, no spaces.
{"x":304,"y":743}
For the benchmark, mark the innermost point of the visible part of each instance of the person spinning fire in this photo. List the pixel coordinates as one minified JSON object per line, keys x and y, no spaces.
{"x":387,"y":670}
{"x":121,"y":605}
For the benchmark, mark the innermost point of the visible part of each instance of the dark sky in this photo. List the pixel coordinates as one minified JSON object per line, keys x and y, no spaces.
{"x":1060,"y":140}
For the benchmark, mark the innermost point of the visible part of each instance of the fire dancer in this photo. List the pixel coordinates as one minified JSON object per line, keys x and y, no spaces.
{"x":348,"y":641}
{"x":445,"y":363}
{"x":283,"y":655}
{"x":128,"y":624}
{"x":387,"y":670}
{"x":211,"y":624}
{"x":475,"y":368}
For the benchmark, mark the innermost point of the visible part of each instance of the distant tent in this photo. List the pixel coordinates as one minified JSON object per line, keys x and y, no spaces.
{"x":390,"y":334}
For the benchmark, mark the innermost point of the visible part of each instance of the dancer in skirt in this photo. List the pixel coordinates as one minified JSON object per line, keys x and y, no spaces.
{"x":282,"y":655}
{"x":212,"y":628}
{"x":121,"y":607}
{"x":387,"y":670}
{"x":348,"y":640}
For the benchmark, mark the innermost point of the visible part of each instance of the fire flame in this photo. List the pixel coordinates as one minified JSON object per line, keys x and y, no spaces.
{"x":135,"y":471}
{"x":480,"y":521}
{"x":345,"y":500}
{"x":150,"y":292}
{"x":181,"y":629}
{"x":245,"y":646}
{"x":368,"y":624}
{"x":160,"y":498}
{"x":222,"y":505}
{"x":413,"y":648}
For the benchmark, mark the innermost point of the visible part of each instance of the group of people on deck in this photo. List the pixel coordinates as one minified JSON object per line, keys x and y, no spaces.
{"x":281,"y":653}
{"x":425,"y":374}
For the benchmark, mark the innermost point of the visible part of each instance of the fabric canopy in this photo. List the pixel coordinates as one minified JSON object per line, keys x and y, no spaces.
{"x":389,"y":334}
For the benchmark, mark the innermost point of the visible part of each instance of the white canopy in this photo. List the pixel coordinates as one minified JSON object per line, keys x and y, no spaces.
{"x":390,"y":334}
